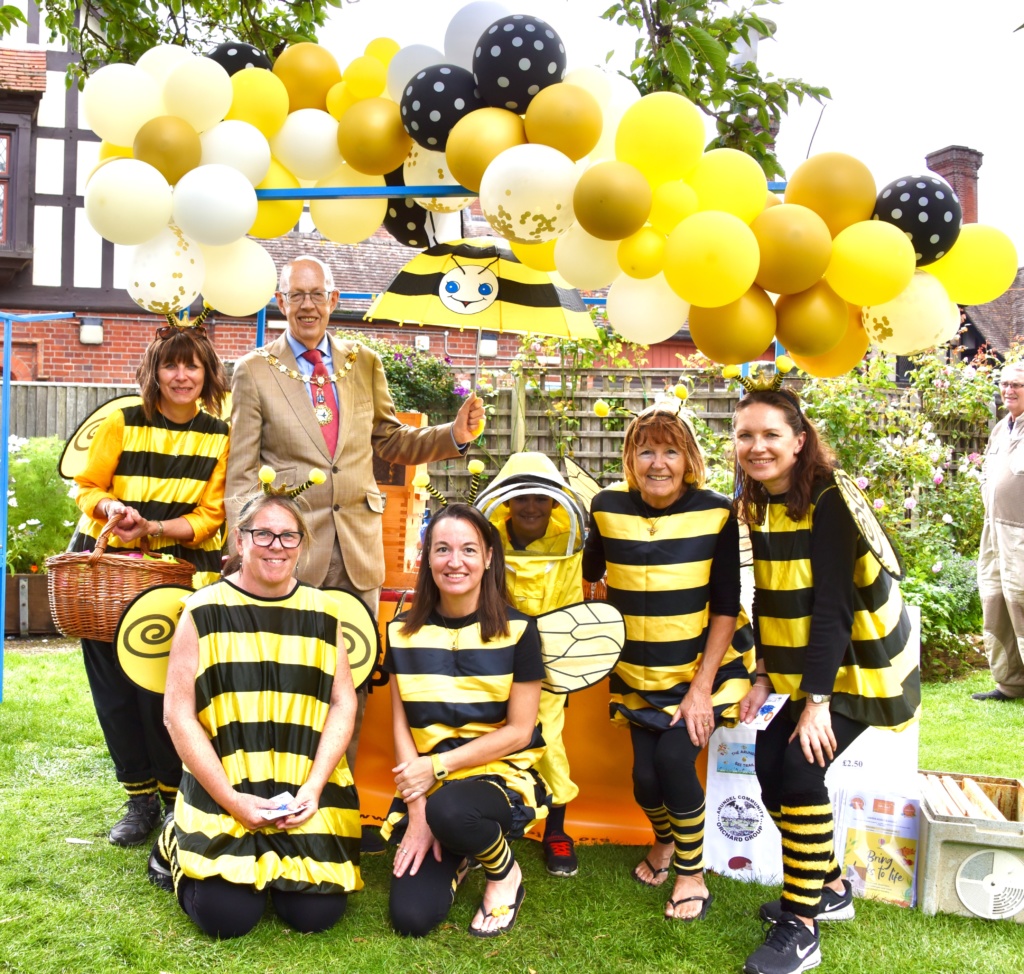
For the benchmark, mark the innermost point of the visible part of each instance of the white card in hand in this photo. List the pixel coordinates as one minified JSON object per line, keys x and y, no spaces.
{"x":771,"y":706}
{"x":282,"y":803}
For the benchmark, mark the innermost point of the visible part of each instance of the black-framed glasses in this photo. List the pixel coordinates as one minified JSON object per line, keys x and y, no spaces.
{"x":164,"y":332}
{"x":263,"y":538}
{"x":297,"y":297}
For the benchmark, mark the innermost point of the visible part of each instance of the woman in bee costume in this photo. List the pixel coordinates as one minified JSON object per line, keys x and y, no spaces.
{"x":832,"y":632}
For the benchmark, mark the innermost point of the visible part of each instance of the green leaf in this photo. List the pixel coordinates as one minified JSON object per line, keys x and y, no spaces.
{"x":678,"y":60}
{"x":710,"y":50}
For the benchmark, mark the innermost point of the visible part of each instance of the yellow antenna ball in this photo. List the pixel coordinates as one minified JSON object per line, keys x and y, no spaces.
{"x":601,"y":408}
{"x":475,"y":467}
{"x":731,"y":372}
{"x":421,"y":480}
{"x":681,"y":391}
{"x":317,"y":476}
{"x":784,"y":364}
{"x":266,"y":474}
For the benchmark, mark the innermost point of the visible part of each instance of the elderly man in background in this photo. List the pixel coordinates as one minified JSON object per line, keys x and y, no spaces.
{"x":1000,"y":559}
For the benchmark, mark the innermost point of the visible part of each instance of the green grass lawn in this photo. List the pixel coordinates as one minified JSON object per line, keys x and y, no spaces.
{"x":88,"y":908}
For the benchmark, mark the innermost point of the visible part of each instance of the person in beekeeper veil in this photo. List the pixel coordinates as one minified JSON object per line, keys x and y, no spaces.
{"x":541,"y":522}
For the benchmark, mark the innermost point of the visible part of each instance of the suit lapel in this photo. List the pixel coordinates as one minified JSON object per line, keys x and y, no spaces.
{"x":296,"y":393}
{"x":345,"y":389}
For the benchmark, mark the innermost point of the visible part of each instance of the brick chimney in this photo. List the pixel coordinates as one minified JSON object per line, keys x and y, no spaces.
{"x":959,"y":166}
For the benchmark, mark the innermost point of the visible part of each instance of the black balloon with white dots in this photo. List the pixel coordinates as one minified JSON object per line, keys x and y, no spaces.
{"x":434,"y":99}
{"x":515,"y":58}
{"x":926,"y":209}
{"x":234,"y":56}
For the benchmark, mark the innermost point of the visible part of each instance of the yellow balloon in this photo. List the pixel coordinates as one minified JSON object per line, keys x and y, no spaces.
{"x":673,"y":202}
{"x":348,"y":220}
{"x":339,"y":100}
{"x":565,"y":117}
{"x":662,"y":135}
{"x":308,"y":72}
{"x":276,"y":217}
{"x":846,"y":354}
{"x":918,"y":318}
{"x":711,"y":259}
{"x":110,"y":151}
{"x":383,"y":49}
{"x":979,"y":267}
{"x":539,"y":256}
{"x":611,"y":200}
{"x":773,"y":199}
{"x":838,"y":187}
{"x":729,"y":180}
{"x":871,"y":263}
{"x":260,"y":98}
{"x":477,"y":138}
{"x":371,"y":137}
{"x":811,"y":322}
{"x":642,"y":255}
{"x":366,"y":77}
{"x":737,"y":332}
{"x":170,"y":145}
{"x":795,"y":248}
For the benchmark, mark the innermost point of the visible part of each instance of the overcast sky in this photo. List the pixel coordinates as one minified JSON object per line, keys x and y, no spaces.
{"x":907,"y":77}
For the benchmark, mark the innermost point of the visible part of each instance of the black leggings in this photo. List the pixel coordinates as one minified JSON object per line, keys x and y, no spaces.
{"x":225,"y":910}
{"x":470,"y":819}
{"x":667,"y":789}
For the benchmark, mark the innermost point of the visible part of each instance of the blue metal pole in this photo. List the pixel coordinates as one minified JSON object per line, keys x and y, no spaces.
{"x":261,"y":327}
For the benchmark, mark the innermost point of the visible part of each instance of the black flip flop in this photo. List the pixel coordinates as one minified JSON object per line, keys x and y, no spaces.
{"x":654,"y":872}
{"x":705,"y":901}
{"x":513,"y":909}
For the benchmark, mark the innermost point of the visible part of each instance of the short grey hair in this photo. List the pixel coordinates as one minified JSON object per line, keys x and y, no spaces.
{"x":286,"y":271}
{"x":1016,"y":367}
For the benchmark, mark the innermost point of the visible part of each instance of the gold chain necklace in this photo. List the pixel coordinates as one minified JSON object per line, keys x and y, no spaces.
{"x":453,"y":634}
{"x":181,"y":442}
{"x":275,"y":363}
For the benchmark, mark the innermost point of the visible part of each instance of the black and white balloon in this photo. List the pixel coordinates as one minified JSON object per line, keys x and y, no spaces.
{"x":411,"y":224}
{"x":234,"y":56}
{"x":515,"y":58}
{"x":926,"y":209}
{"x":434,"y":100}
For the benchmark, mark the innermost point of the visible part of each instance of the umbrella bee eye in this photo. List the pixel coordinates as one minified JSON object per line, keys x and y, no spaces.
{"x":452,"y":287}
{"x":485,"y":289}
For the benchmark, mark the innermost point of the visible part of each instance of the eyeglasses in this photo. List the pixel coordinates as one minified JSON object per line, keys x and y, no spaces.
{"x":297,"y":297}
{"x":1015,"y":386}
{"x":263,"y":538}
{"x":166,"y":331}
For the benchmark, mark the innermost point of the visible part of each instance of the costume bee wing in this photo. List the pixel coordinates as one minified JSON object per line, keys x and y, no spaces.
{"x":870,"y":528}
{"x":581,"y":482}
{"x":76,"y":450}
{"x":144,"y":633}
{"x":360,"y":633}
{"x":580,"y":644}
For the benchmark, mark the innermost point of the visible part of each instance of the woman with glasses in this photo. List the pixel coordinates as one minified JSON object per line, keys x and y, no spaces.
{"x":260,"y":706}
{"x":159,"y":466}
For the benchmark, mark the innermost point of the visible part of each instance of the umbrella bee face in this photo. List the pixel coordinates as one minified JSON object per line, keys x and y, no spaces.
{"x":468,"y":290}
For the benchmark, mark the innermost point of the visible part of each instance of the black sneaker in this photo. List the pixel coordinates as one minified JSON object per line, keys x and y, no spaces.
{"x":560,"y":854}
{"x":833,"y":906}
{"x":141,"y":817}
{"x":789,"y":947}
{"x":995,"y":694}
{"x":159,"y":867}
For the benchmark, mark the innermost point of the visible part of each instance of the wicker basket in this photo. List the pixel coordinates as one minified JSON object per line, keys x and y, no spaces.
{"x":89,"y":590}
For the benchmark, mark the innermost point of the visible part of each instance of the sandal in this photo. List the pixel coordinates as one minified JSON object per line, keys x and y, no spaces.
{"x":705,"y":902}
{"x":663,"y":873}
{"x":513,"y":909}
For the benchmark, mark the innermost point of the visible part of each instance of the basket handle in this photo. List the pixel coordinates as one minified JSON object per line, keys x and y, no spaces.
{"x":101,"y":541}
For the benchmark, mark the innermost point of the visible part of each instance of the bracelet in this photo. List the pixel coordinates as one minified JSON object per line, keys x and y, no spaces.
{"x":768,"y":684}
{"x":159,"y":532}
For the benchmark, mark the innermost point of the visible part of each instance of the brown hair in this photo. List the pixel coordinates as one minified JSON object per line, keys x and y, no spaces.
{"x":662,"y":426}
{"x":183,"y":347}
{"x":492,"y":610}
{"x":814,"y":462}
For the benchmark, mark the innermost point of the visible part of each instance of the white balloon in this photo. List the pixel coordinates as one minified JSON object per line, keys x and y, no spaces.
{"x":161,"y":60}
{"x":214,"y":204}
{"x":585,"y":261}
{"x":645,"y":311}
{"x":307,"y":144}
{"x":465,"y":28}
{"x":920,"y":317}
{"x":240,"y":278}
{"x":200,"y":91}
{"x":166,"y":273}
{"x":623,"y":94}
{"x":127,"y":201}
{"x":526,"y":193}
{"x":593,"y":79}
{"x":425,"y":167}
{"x":406,"y":62}
{"x":118,"y":100}
{"x":239,"y":145}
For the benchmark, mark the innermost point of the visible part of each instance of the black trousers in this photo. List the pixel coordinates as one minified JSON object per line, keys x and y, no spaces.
{"x":132,"y":720}
{"x":664,"y":772}
{"x":225,"y":910}
{"x":466,"y":817}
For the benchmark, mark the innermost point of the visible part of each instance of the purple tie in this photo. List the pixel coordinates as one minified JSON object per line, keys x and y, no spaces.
{"x":325,"y":402}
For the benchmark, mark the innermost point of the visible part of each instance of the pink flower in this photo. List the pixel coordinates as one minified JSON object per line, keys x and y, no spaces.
{"x":862,"y":483}
{"x":879,"y":503}
{"x":910,"y":503}
{"x":937,"y":479}
{"x":974,"y":457}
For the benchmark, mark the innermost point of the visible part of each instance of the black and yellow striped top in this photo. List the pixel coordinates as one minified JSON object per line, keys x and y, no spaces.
{"x":828,"y":618}
{"x":134,"y":460}
{"x":263,"y":689}
{"x":669,"y":570}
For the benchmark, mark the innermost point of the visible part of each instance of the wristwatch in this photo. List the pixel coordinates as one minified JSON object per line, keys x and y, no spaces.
{"x":440,"y":771}
{"x":819,"y":697}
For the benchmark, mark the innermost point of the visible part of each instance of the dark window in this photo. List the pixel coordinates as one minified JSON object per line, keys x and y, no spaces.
{"x":5,"y":178}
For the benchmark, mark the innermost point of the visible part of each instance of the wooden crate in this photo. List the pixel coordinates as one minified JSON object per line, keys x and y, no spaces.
{"x":403,"y":513}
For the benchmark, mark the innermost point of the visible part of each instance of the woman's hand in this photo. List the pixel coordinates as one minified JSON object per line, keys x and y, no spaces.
{"x":133,"y":525}
{"x":414,"y":778}
{"x":307,"y":801}
{"x":245,"y":809}
{"x":752,"y":703}
{"x":814,"y":731}
{"x":698,"y":714}
{"x":416,"y":844}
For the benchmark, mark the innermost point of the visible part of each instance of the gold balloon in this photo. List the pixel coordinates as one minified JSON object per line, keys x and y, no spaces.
{"x":795,"y":248}
{"x":475,"y":140}
{"x":275,"y":218}
{"x":260,"y":98}
{"x":811,"y":322}
{"x":539,"y":256}
{"x":308,"y":72}
{"x":642,"y":255}
{"x":565,"y":117}
{"x":170,"y":145}
{"x":673,"y":202}
{"x":838,"y":187}
{"x":847,"y":353}
{"x":735,"y":333}
{"x":773,"y":199}
{"x":611,"y":200}
{"x":371,"y":137}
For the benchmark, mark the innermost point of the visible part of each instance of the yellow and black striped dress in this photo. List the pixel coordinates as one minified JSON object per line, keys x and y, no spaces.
{"x":661,"y":572}
{"x":263,"y":688}
{"x":878,"y":681}
{"x":134,"y":459}
{"x":454,"y":695}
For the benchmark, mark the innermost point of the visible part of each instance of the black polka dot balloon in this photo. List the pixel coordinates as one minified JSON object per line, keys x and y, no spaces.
{"x":434,"y":100}
{"x":926,"y":209}
{"x":407,"y":221}
{"x":233,"y":56}
{"x":515,"y":58}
